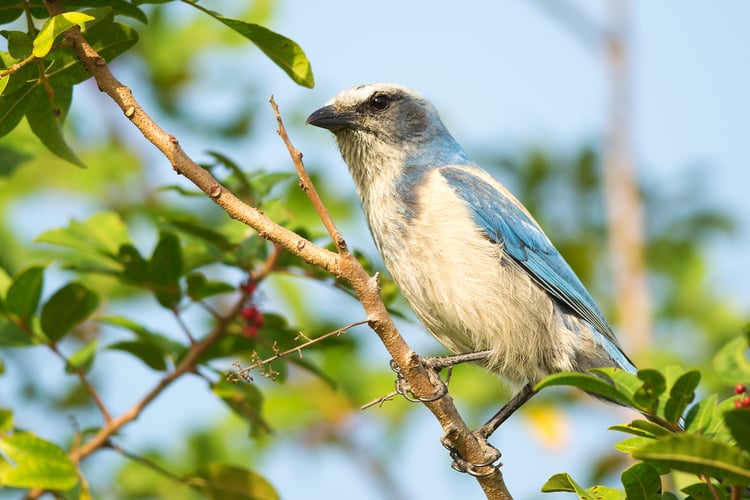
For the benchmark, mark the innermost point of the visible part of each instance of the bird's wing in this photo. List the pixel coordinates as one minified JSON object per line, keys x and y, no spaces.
{"x":523,"y":240}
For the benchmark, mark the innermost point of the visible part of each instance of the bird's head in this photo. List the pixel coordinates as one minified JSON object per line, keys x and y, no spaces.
{"x":384,"y":128}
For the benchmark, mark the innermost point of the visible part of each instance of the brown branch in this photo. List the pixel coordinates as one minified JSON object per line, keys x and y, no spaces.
{"x":307,"y":185}
{"x":343,"y":265}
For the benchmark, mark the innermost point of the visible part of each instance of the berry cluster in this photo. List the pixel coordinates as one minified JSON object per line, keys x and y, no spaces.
{"x":251,"y":315}
{"x":743,"y":398}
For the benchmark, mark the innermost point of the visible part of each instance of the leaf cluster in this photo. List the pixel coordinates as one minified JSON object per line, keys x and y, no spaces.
{"x":709,"y":439}
{"x":39,"y":70}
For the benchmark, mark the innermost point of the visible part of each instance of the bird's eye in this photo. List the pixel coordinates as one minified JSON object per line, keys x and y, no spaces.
{"x":379,"y":101}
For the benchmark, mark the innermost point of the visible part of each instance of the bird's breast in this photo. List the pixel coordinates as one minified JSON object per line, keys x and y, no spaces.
{"x":461,"y":285}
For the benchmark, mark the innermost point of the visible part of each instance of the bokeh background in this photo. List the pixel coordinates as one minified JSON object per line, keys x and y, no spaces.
{"x":526,"y":87}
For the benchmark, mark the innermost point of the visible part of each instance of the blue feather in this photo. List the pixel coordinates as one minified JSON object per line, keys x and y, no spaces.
{"x":523,"y":240}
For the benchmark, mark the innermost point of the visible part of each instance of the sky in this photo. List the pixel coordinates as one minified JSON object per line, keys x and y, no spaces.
{"x":508,"y":73}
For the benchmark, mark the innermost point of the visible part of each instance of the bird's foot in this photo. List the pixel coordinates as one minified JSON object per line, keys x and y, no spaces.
{"x":404,"y":388}
{"x":490,"y":457}
{"x":434,"y":365}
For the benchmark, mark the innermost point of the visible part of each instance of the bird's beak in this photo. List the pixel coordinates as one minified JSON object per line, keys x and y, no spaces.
{"x":328,"y":117}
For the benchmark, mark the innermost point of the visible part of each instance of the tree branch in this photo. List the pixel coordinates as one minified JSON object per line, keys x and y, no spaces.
{"x":343,"y":265}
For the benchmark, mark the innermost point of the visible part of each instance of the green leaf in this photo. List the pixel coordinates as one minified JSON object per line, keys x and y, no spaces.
{"x":280,"y":49}
{"x":641,"y":482}
{"x":164,"y":270}
{"x":83,"y":358}
{"x":563,"y":482}
{"x":642,"y":428}
{"x":738,"y":422}
{"x":246,"y":400}
{"x":559,"y":482}
{"x":6,"y":420}
{"x":700,"y":415}
{"x":587,"y":382}
{"x":168,"y":347}
{"x":36,"y":463}
{"x":104,"y":233}
{"x":681,"y":395}
{"x":701,"y":491}
{"x":731,"y":362}
{"x":11,"y":11}
{"x":149,"y":353}
{"x":13,"y":336}
{"x":5,"y":282}
{"x":633,"y":444}
{"x":45,"y":115}
{"x":203,"y":233}
{"x":68,"y":307}
{"x":54,"y":27}
{"x":134,"y":266}
{"x":699,"y":455}
{"x":24,"y":293}
{"x":229,"y":482}
{"x":654,"y":385}
{"x":19,"y":43}
{"x":198,"y":287}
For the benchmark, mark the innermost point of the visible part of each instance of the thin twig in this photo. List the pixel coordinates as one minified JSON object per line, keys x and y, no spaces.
{"x":379,"y":401}
{"x":146,"y":462}
{"x":244,"y":372}
{"x":17,"y":66}
{"x":90,"y":389}
{"x":183,"y":326}
{"x":307,"y":185}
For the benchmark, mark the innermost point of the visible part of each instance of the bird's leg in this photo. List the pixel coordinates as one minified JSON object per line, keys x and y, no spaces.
{"x":439,"y":362}
{"x":490,"y":452}
{"x":506,"y":411}
{"x":434,"y":365}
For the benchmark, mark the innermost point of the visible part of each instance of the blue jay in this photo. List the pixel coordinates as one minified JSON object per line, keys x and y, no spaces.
{"x":472,"y":262}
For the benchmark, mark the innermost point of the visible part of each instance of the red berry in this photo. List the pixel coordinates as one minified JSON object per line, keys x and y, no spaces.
{"x":740,"y":389}
{"x":250,"y":331}
{"x":746,"y":401}
{"x":249,"y":312}
{"x":249,"y":286}
{"x":737,"y":403}
{"x":258,"y":320}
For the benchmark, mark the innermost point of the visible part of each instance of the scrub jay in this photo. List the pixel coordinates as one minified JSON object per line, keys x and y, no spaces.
{"x":472,"y":262}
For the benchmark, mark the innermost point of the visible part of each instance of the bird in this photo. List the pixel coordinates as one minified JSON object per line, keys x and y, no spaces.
{"x":475,"y":267}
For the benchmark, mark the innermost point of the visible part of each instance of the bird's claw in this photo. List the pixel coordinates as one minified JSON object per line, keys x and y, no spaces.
{"x":403,"y":388}
{"x":490,"y":453}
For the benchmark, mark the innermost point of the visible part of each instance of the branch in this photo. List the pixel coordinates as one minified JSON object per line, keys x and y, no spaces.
{"x":307,"y":185}
{"x":244,"y":373}
{"x":93,"y":393}
{"x":343,"y":265}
